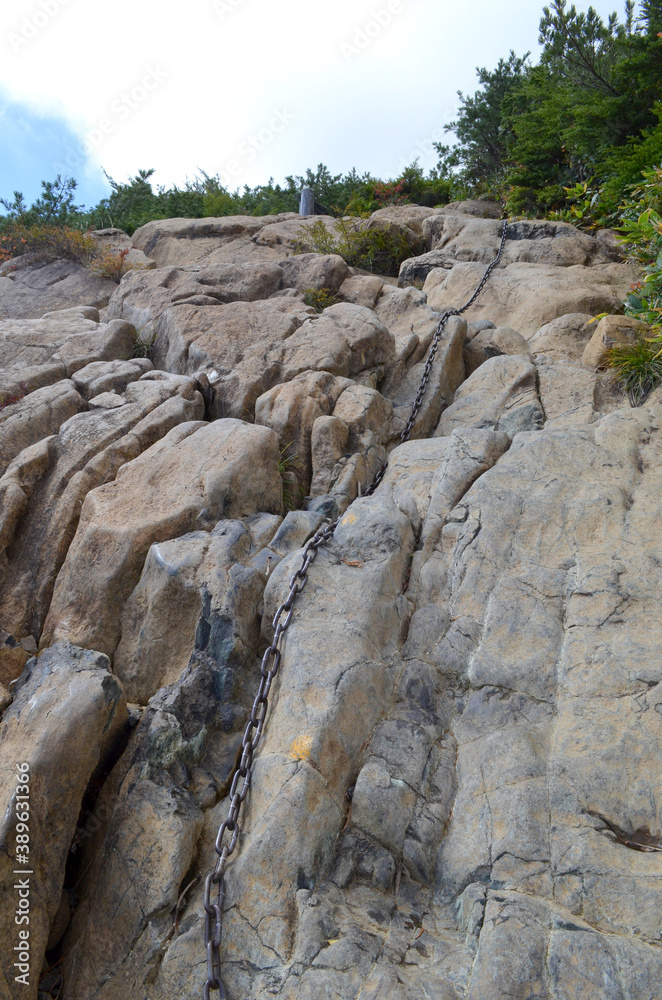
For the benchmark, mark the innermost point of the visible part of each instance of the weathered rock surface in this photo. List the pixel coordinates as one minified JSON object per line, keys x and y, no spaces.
{"x":526,"y":296}
{"x":291,"y":408}
{"x":31,"y":291}
{"x":482,"y":208}
{"x":194,"y":584}
{"x":35,"y":417}
{"x":446,"y":375}
{"x":186,"y":743}
{"x":565,"y":338}
{"x":70,"y":339}
{"x":345,"y":340}
{"x":612,"y":331}
{"x":501,"y":394}
{"x":188,"y":241}
{"x":454,"y":237}
{"x":463,"y":740}
{"x":491,"y":344}
{"x":44,"y":488}
{"x":90,"y":714}
{"x":194,"y":476}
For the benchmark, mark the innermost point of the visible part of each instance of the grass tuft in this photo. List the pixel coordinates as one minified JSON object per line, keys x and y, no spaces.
{"x":320,"y":298}
{"x":636,"y":368}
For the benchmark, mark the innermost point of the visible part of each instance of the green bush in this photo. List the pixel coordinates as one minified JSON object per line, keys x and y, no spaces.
{"x":379,"y":250}
{"x":320,"y":298}
{"x":46,"y":242}
{"x":43,"y":243}
{"x":590,"y":108}
{"x":641,"y":228}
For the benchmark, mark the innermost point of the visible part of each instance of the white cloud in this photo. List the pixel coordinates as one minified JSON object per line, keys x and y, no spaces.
{"x":220,"y":70}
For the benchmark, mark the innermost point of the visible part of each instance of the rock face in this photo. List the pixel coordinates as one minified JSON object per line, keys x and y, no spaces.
{"x":526,"y":296}
{"x":29,"y":292}
{"x":186,"y":489}
{"x":457,"y":790}
{"x":58,"y":344}
{"x":44,"y":488}
{"x":90,"y":713}
{"x":611,"y":331}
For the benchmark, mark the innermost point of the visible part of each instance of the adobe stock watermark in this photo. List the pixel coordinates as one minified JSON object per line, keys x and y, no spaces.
{"x":31,"y":26}
{"x":364,"y":34}
{"x":121,"y":108}
{"x":249,"y":148}
{"x":423,"y":148}
{"x":225,"y":7}
{"x":22,"y":871}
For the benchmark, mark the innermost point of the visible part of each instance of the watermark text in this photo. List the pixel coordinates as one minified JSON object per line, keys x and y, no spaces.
{"x":36,"y":22}
{"x":364,"y":34}
{"x":23,"y":871}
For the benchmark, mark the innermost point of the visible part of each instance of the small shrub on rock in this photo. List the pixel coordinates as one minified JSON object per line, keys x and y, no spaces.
{"x":320,"y":298}
{"x":144,"y":344}
{"x":636,"y":368}
{"x":46,"y":243}
{"x":380,"y":251}
{"x":112,"y":264}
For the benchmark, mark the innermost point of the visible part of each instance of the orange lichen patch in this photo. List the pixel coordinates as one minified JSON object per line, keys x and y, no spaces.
{"x":300,"y":747}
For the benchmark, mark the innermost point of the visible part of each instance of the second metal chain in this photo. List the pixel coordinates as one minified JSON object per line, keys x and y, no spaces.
{"x":228,"y":834}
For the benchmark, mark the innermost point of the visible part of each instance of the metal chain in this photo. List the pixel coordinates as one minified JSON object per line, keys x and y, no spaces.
{"x":215,"y":881}
{"x":432,"y":353}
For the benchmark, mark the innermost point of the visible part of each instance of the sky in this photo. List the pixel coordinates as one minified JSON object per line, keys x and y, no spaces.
{"x":247,"y":89}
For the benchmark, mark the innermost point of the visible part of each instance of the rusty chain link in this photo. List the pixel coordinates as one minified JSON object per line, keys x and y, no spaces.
{"x":269,"y":669}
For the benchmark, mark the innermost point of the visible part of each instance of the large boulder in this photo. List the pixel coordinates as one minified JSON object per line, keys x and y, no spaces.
{"x":492,"y":343}
{"x":291,"y":408}
{"x":529,"y":241}
{"x":29,"y":291}
{"x":526,"y":296}
{"x":482,"y":208}
{"x":191,"y":338}
{"x":194,"y":476}
{"x":143,"y":296}
{"x":38,"y":415}
{"x":66,"y":714}
{"x":197,"y":594}
{"x":454,"y":237}
{"x":565,"y":338}
{"x":406,"y":313}
{"x":446,"y":376}
{"x":314,"y":270}
{"x":502,"y":394}
{"x":412,"y":216}
{"x":43,"y":489}
{"x":133,"y":864}
{"x":190,"y":241}
{"x":612,"y":331}
{"x":68,"y":339}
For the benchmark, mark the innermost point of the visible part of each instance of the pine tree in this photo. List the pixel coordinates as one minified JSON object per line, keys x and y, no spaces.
{"x":651,"y":16}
